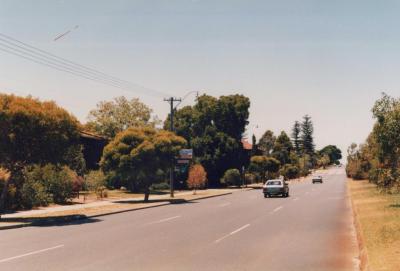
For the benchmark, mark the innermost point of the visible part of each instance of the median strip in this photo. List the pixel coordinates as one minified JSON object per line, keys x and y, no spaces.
{"x":30,"y":253}
{"x":232,"y":233}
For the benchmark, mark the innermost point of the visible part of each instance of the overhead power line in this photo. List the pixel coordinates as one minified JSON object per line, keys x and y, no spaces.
{"x":42,"y":57}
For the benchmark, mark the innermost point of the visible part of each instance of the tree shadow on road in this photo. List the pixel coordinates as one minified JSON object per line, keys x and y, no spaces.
{"x":171,"y":201}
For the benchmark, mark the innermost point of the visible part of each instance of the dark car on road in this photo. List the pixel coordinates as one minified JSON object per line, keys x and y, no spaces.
{"x":276,"y":187}
{"x":317,"y":179}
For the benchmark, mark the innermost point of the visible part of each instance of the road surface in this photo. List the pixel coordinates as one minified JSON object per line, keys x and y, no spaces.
{"x":310,"y":230}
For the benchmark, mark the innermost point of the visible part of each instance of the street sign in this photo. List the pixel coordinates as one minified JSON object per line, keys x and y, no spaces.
{"x":186,"y":154}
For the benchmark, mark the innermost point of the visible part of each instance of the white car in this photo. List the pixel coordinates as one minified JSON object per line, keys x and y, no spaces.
{"x":276,"y":187}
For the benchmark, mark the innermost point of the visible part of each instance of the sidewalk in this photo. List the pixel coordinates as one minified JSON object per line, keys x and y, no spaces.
{"x":49,"y":215}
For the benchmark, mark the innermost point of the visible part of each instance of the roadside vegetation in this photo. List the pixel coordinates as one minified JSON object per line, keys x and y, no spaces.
{"x":378,"y":159}
{"x":375,"y":189}
{"x":42,"y":161}
{"x":378,"y":220}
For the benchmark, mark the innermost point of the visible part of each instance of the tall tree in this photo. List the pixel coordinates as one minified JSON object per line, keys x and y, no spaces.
{"x":267,"y":142}
{"x":112,"y":117}
{"x":254,"y":146}
{"x":333,"y":152}
{"x":213,"y":127}
{"x":307,"y":139}
{"x":140,"y":155}
{"x":282,"y":148}
{"x":34,"y":132}
{"x":296,"y":130}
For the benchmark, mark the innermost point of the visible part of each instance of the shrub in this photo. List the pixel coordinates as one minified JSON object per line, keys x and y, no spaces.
{"x":250,"y":178}
{"x":34,"y":194}
{"x":95,"y":181}
{"x":290,"y":171}
{"x":232,"y":177}
{"x":159,"y":186}
{"x":42,"y":185}
{"x":197,"y":177}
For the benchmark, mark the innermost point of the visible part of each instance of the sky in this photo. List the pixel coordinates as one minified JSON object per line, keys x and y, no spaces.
{"x":328,"y":59}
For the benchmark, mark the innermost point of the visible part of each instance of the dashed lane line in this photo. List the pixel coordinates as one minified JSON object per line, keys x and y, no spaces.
{"x":30,"y":253}
{"x":232,"y":233}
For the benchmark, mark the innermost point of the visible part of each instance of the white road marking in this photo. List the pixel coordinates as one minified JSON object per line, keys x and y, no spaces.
{"x":224,"y":204}
{"x":30,"y":253}
{"x":295,"y":199}
{"x":232,"y":233}
{"x":276,"y":209}
{"x":163,"y":220}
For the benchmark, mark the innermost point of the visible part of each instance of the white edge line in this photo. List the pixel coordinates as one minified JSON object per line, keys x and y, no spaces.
{"x":30,"y":253}
{"x":232,"y":233}
{"x":224,"y":204}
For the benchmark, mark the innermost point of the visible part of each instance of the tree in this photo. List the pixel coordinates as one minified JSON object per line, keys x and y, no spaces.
{"x":112,"y":117}
{"x":263,"y":166}
{"x":232,"y":177}
{"x":33,"y":132}
{"x":333,"y":152}
{"x":140,"y":156}
{"x":213,"y":128}
{"x":197,"y":177}
{"x":254,"y":146}
{"x":307,"y":139}
{"x":282,"y":148}
{"x":290,"y":171}
{"x":324,"y":161}
{"x":267,"y":142}
{"x":296,"y":130}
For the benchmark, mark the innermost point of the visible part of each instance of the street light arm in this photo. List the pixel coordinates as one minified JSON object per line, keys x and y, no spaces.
{"x":184,"y":97}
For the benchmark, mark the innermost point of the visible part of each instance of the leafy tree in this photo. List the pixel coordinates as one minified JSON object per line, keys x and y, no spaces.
{"x":213,"y":127}
{"x":140,"y":155}
{"x":296,"y":130}
{"x":232,"y":177}
{"x":33,"y":132}
{"x":307,"y":139}
{"x":333,"y":152}
{"x":324,"y":161}
{"x":267,"y":142}
{"x":282,"y":148}
{"x":263,"y":166}
{"x":184,"y":120}
{"x":197,"y":177}
{"x":290,"y":171}
{"x":112,"y":117}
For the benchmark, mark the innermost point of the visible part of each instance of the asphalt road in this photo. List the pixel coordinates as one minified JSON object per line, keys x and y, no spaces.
{"x":310,"y":230}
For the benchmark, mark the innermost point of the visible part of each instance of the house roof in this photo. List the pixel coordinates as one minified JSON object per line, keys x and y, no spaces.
{"x":90,"y":135}
{"x":246,"y":144}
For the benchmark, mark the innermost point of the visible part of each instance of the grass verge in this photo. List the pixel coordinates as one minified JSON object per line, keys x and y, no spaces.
{"x":377,"y":218}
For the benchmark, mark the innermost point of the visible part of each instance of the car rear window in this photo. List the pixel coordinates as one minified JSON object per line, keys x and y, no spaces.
{"x":274,"y":183}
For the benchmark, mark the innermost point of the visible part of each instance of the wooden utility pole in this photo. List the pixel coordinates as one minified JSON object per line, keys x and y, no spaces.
{"x":171,"y":173}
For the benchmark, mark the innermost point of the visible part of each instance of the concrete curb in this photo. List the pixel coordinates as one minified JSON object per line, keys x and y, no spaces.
{"x":66,"y":219}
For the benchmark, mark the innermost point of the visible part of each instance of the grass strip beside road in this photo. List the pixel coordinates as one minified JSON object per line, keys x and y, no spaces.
{"x":377,"y":217}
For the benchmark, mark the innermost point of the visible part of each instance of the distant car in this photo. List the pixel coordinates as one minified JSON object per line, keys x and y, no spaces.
{"x":317,"y":179}
{"x":276,"y":187}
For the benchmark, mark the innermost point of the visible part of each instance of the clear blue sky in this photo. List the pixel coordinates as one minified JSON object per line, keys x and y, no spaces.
{"x":329,"y":59}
